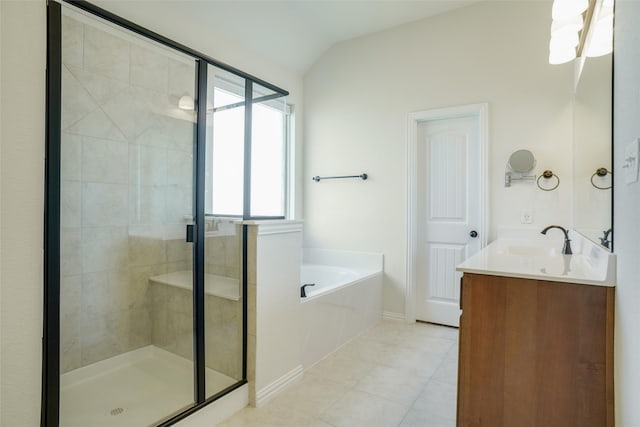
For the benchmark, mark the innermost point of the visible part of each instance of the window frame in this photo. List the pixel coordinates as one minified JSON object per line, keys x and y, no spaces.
{"x":247,"y":164}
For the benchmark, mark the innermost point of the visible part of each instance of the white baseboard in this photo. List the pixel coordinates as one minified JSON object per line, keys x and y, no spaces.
{"x":389,"y":315}
{"x":267,"y":393}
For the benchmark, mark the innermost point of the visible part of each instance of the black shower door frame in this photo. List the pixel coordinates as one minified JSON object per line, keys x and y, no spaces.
{"x":50,"y":414}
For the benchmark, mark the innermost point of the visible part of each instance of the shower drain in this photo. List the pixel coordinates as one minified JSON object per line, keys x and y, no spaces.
{"x":116,"y":411}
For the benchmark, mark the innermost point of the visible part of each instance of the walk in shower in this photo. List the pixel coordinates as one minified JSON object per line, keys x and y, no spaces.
{"x":149,"y":176}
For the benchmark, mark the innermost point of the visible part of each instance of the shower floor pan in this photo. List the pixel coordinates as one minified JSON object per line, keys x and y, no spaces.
{"x":134,"y":389}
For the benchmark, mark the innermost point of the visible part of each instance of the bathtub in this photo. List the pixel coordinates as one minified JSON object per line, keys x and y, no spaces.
{"x":328,"y":278}
{"x":345,"y":301}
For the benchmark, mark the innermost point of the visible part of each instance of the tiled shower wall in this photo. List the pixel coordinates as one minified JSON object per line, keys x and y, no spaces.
{"x":126,"y":175}
{"x":126,"y":170}
{"x":172,"y":314}
{"x":223,"y":252}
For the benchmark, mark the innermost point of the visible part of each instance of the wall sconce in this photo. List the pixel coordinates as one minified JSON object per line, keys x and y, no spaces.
{"x":580,"y":26}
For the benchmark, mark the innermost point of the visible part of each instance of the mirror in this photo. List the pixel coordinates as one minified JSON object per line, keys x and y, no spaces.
{"x":592,"y":151}
{"x":522,"y":161}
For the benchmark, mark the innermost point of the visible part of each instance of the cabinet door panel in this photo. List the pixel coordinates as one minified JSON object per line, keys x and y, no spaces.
{"x":535,"y":353}
{"x":520,"y":373}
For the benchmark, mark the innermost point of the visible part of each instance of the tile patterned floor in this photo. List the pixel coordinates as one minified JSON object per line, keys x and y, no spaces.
{"x":395,"y":375}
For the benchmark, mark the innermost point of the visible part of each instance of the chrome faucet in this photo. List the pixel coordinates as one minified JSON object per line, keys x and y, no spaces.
{"x":566,"y":249}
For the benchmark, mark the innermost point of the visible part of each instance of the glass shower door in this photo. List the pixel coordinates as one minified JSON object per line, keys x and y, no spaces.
{"x":224,"y":189}
{"x":127,"y":172}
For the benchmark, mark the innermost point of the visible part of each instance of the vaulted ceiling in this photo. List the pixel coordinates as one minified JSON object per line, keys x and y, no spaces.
{"x":295,"y":33}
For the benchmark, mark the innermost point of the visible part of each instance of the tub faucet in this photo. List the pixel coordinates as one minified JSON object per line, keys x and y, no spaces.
{"x":303,"y":292}
{"x":566,"y":249}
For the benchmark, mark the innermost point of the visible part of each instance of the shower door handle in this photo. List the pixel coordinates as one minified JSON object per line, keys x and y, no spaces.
{"x":190,"y":233}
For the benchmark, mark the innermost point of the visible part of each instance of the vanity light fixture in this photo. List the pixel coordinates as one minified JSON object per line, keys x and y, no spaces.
{"x":564,"y":39}
{"x":567,"y":9}
{"x":565,"y":29}
{"x":601,"y":40}
{"x":580,"y":27}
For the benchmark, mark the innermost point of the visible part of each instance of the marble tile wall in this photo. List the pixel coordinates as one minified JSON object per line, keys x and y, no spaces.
{"x":126,"y":162}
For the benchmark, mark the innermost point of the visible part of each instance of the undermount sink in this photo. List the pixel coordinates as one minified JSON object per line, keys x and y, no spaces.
{"x":541,"y":258}
{"x":529,"y":251}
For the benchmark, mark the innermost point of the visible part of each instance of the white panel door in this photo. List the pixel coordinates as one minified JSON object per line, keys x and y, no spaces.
{"x":449,"y":213}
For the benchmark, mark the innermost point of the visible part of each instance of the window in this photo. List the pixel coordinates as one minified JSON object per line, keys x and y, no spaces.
{"x":227,"y":156}
{"x":268,"y":159}
{"x":226,"y":144}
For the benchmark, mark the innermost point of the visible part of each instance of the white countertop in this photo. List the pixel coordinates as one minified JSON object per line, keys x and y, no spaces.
{"x":541,"y":259}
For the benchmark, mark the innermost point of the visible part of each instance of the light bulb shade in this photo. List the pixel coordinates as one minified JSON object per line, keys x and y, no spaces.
{"x":572,"y":25}
{"x":565,"y":39}
{"x":567,"y":9}
{"x":186,"y":103}
{"x":601,"y":41}
{"x":561,"y":55}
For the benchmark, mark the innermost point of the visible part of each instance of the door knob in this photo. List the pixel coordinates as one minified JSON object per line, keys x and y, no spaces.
{"x":473,"y":234}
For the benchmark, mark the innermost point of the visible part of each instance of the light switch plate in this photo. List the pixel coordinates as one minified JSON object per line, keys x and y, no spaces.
{"x":630,"y":165}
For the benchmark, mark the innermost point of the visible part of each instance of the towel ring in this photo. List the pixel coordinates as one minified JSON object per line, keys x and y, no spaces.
{"x":601,"y":172}
{"x":547,"y":175}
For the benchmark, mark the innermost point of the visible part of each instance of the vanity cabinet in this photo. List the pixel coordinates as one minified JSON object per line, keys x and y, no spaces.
{"x":535,"y":353}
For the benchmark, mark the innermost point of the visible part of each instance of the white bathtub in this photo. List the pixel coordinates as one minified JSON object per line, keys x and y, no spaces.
{"x":327,"y":278}
{"x":345,"y":301}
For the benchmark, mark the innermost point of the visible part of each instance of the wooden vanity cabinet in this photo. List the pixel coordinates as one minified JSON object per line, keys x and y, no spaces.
{"x":535,"y":353}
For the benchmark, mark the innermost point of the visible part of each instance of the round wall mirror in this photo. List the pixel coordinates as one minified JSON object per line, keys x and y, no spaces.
{"x":522,"y":161}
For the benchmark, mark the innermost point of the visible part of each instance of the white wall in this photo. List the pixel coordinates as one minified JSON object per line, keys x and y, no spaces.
{"x":626,"y":127}
{"x":274,"y":358}
{"x":357,"y":97}
{"x":22,"y":107}
{"x":22,"y":84}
